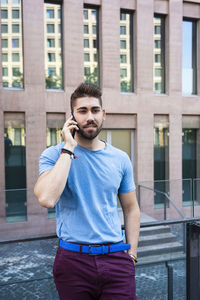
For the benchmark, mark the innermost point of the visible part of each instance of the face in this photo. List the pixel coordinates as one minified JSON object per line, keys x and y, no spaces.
{"x":89,"y":116}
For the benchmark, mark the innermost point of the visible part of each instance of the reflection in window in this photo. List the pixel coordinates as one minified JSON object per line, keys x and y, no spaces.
{"x":189,"y":57}
{"x":15,"y":167}
{"x":55,"y":124}
{"x":161,"y":158}
{"x":159,"y":54}
{"x":11,"y":29}
{"x":53,"y":37}
{"x":91,"y":45}
{"x":126,"y":52}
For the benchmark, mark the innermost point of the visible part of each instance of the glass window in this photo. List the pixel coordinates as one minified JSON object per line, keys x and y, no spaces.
{"x":85,"y":13}
{"x":15,"y":57}
{"x":50,"y":43}
{"x":15,"y":28}
{"x":15,"y":167}
{"x":91,"y":59}
{"x":4,"y":43}
{"x":50,"y":14}
{"x":4,"y":14}
{"x":161,"y":157}
{"x":122,"y":30}
{"x":4,"y":57}
{"x":53,"y":60}
{"x":189,"y":57}
{"x":126,"y":52}
{"x":123,"y":58}
{"x":5,"y":71}
{"x":86,"y":57}
{"x":159,"y":54}
{"x":122,"y":44}
{"x":15,"y":71}
{"x":50,"y":28}
{"x":55,"y":124}
{"x":15,"y":43}
{"x":86,"y":29}
{"x":4,"y":2}
{"x":86,"y":43}
{"x":4,"y":28}
{"x":15,"y":14}
{"x":51,"y":57}
{"x":12,"y":39}
{"x":15,"y":1}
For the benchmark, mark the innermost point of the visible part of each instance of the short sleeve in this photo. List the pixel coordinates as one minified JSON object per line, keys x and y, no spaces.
{"x":127,"y":184}
{"x":48,"y":159}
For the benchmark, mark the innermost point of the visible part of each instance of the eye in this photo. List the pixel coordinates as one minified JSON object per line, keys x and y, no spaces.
{"x":96,"y":110}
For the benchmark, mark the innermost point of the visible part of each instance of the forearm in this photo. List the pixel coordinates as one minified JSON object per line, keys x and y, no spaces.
{"x":50,"y":186}
{"x":132,"y":228}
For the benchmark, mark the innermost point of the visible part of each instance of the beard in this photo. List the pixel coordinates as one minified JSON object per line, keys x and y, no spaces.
{"x":89,"y":135}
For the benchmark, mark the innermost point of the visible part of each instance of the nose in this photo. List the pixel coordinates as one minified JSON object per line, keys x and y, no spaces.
{"x":90,"y":116}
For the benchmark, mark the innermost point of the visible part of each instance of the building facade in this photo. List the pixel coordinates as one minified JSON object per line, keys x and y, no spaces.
{"x":145,"y":57}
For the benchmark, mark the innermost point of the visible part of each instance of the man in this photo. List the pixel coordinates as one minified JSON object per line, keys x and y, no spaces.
{"x":83,"y":176}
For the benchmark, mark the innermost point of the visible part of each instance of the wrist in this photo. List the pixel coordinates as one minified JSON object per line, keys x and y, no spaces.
{"x":69,"y":147}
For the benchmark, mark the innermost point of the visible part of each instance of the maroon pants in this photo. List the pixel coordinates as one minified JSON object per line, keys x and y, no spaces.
{"x":81,"y":276}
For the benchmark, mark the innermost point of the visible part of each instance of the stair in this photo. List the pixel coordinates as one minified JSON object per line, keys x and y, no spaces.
{"x":158,"y":244}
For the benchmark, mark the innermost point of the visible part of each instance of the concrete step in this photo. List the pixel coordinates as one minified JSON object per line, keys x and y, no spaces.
{"x":154,"y":230}
{"x":152,"y":259}
{"x":160,"y":249}
{"x":155,"y":239}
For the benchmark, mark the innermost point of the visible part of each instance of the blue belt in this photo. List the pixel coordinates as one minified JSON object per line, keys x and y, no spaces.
{"x":94,"y":249}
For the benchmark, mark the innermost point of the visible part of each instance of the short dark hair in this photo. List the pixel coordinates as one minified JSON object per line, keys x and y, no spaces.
{"x":86,"y":90}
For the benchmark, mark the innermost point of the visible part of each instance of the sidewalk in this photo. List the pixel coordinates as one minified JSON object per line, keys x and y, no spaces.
{"x":26,"y":274}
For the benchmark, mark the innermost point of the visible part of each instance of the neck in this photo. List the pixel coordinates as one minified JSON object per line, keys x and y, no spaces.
{"x":94,"y":144}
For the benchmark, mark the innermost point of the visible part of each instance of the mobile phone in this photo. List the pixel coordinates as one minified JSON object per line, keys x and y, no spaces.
{"x":74,"y":130}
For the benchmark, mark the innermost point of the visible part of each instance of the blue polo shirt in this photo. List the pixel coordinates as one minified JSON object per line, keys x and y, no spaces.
{"x":87,"y":209}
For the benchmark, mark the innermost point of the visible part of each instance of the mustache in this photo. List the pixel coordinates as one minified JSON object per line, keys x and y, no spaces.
{"x":90,"y":123}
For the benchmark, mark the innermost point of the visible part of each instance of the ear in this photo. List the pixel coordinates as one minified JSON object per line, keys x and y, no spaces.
{"x":104,"y":114}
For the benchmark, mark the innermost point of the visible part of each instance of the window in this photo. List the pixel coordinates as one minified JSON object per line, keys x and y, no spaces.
{"x":55,"y":124}
{"x":122,"y":44}
{"x":50,"y":43}
{"x":122,"y":30}
{"x":15,"y":14}
{"x":161,"y":157}
{"x":86,"y":29}
{"x":4,"y":2}
{"x":94,"y":43}
{"x":4,"y":28}
{"x":4,"y":57}
{"x":123,"y":58}
{"x":4,"y":43}
{"x":50,"y":28}
{"x":85,"y":13}
{"x":51,"y":57}
{"x":189,"y":57}
{"x":12,"y":39}
{"x":5,"y":71}
{"x":15,"y":28}
{"x":15,"y":1}
{"x":15,"y":167}
{"x":50,"y":14}
{"x":53,"y":40}
{"x":4,"y":14}
{"x":86,"y":57}
{"x":15,"y":43}
{"x":95,"y":57}
{"x":86,"y":43}
{"x":86,"y":71}
{"x":159,"y":54}
{"x":126,"y":52}
{"x":94,"y":29}
{"x":15,"y":57}
{"x":15,"y":71}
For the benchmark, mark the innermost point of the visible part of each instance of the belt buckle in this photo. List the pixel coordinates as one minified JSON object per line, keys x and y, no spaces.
{"x":93,"y":245}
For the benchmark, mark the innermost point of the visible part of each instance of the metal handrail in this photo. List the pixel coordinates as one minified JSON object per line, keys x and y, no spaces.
{"x":166,"y":195}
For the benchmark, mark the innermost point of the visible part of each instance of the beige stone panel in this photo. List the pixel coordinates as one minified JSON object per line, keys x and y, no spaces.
{"x":120,"y":121}
{"x":92,"y":2}
{"x":191,"y":10}
{"x":191,"y":105}
{"x":55,"y":101}
{"x":144,"y":51}
{"x":161,"y":6}
{"x":175,"y":46}
{"x":110,"y":45}
{"x":128,"y":4}
{"x":14,"y":101}
{"x":73,"y":42}
{"x":33,"y":31}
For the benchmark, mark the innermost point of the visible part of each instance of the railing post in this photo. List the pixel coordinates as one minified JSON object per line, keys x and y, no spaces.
{"x":170,"y":280}
{"x":165,"y":210}
{"x":139,"y":195}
